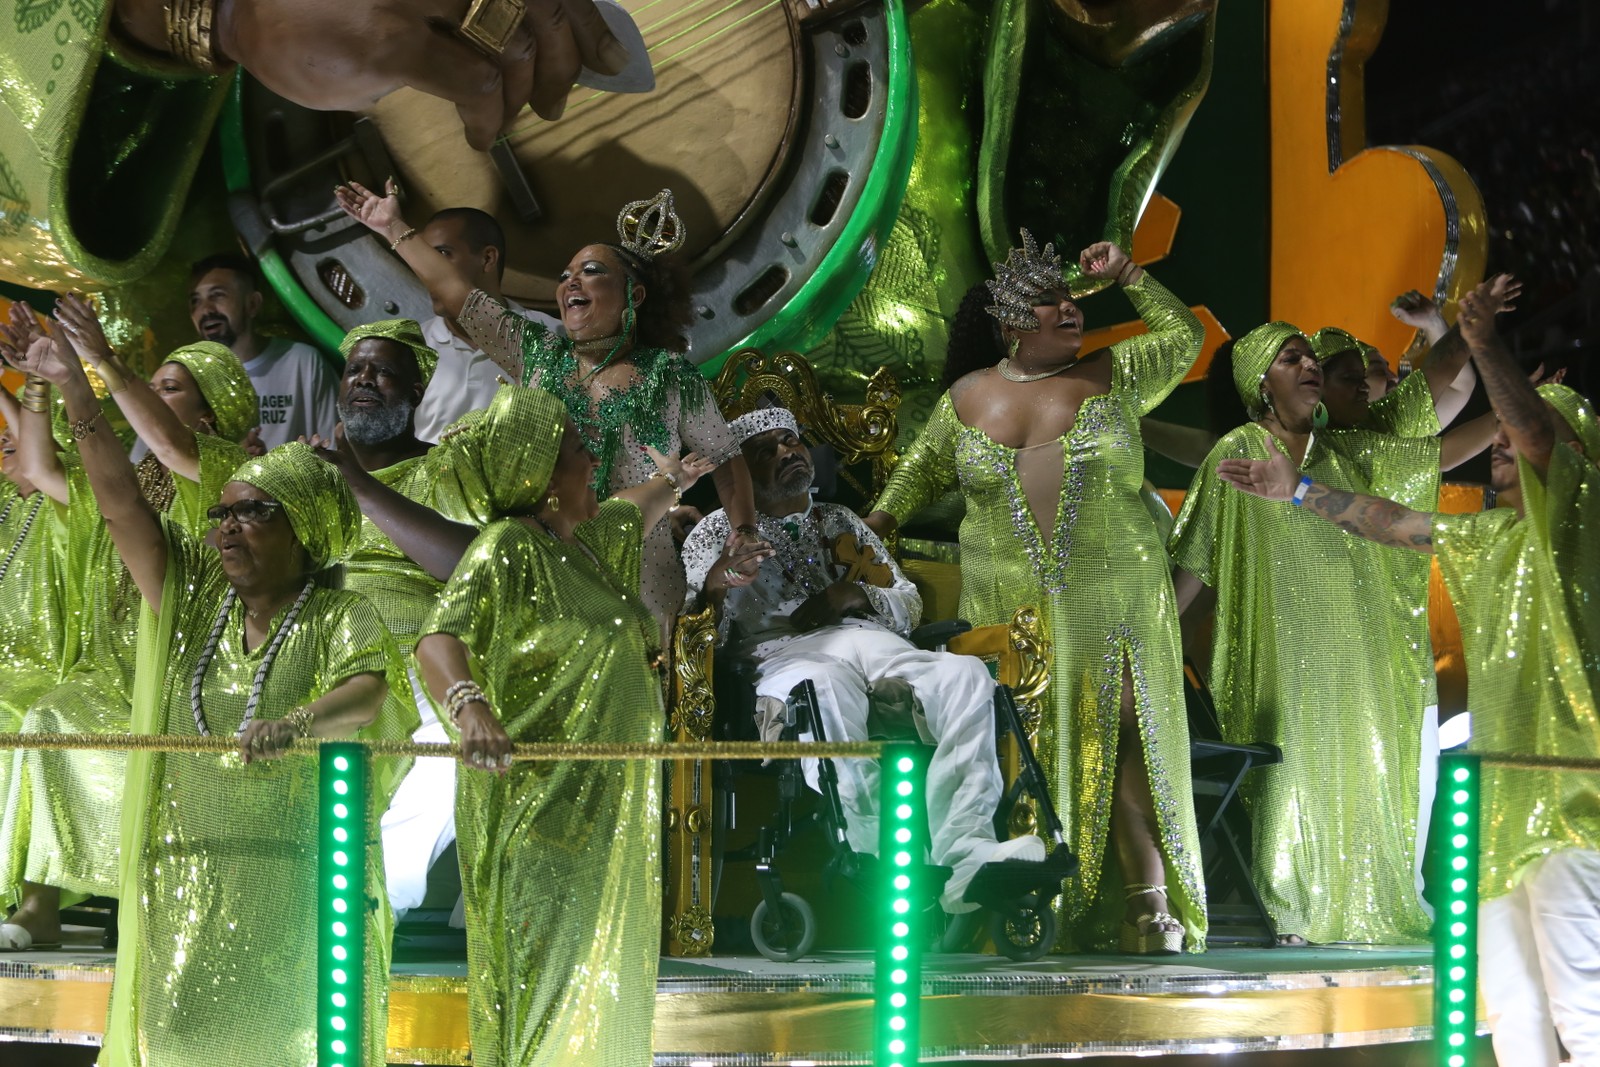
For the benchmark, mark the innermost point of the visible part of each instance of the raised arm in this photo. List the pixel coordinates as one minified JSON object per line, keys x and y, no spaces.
{"x":1523,"y":413}
{"x":157,"y":425}
{"x":434,"y":543}
{"x":661,"y":492}
{"x":1150,"y":364}
{"x":1446,"y":367}
{"x":38,"y":458}
{"x":134,"y":528}
{"x":1460,"y":443}
{"x":1371,"y":517}
{"x":493,"y":327}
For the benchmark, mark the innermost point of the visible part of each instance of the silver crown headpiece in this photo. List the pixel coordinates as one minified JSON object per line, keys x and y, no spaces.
{"x":1025,"y":274}
{"x":648,"y":228}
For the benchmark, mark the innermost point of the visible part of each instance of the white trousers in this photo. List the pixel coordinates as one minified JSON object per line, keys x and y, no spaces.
{"x":421,"y":820}
{"x":1539,"y":962}
{"x":1427,"y":786}
{"x":957,"y":698}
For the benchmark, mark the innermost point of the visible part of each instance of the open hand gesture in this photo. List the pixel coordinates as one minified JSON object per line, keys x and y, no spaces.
{"x":81,"y":327}
{"x":1274,"y":478}
{"x":377,"y":213}
{"x":684,"y":471}
{"x":43,"y":357}
{"x":739,"y":564}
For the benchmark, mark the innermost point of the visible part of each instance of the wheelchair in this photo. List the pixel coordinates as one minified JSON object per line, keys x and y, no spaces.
{"x":1014,"y":894}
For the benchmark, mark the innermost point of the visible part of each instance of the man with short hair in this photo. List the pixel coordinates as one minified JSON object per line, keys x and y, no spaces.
{"x":1523,"y":577}
{"x":828,"y":604}
{"x":467,"y":378}
{"x":297,"y":387}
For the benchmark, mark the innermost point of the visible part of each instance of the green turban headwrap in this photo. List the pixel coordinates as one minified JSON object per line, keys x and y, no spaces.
{"x":321,"y":509}
{"x":224,"y":384}
{"x":1253,"y":355}
{"x":400,"y":331}
{"x":510,"y":449}
{"x":1579,"y":411}
{"x":1331,"y":341}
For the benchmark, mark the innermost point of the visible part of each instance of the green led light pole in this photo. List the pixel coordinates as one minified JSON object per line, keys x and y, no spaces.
{"x":342,"y":905}
{"x":1455,"y":928}
{"x":902,"y":832}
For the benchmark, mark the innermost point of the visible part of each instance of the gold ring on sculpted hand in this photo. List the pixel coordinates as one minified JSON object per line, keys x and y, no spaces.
{"x":489,"y":24}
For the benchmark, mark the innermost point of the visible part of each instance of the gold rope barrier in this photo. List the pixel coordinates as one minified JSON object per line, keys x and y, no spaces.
{"x":1530,"y":762}
{"x":532,"y":753}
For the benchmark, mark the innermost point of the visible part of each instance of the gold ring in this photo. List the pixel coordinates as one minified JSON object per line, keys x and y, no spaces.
{"x":489,"y":24}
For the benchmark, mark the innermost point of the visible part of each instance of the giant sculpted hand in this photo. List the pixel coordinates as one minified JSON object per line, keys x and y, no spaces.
{"x":343,"y":56}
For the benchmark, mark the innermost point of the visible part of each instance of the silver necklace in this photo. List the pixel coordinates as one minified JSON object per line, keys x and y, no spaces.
{"x":27,"y":525}
{"x":210,"y":651}
{"x":1004,"y":367}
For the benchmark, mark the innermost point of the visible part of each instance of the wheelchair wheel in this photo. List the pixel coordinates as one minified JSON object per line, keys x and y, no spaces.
{"x":789,"y":939}
{"x":1028,"y":935}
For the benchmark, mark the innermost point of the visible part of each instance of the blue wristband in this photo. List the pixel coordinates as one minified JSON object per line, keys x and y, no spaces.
{"x":1300,"y":493}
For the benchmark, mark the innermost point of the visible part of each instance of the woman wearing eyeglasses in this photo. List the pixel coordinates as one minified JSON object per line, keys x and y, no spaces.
{"x":65,"y":806}
{"x":242,"y":637}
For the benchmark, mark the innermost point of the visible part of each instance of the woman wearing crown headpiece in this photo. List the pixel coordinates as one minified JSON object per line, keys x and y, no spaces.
{"x":619,"y":370}
{"x":1043,"y":441}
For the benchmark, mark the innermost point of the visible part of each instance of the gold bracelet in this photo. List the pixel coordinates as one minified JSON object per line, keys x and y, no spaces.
{"x":394,"y":245}
{"x":672,"y":483}
{"x":189,"y":34}
{"x":82,"y":428}
{"x":115,"y":382}
{"x":300,"y":718}
{"x":36,"y":395}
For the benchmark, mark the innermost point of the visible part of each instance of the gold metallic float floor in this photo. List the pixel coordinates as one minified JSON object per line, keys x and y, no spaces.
{"x":742,"y":1011}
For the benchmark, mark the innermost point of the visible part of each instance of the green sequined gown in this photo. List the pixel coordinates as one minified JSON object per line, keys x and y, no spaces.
{"x":221,"y":965}
{"x":1530,"y":625}
{"x":1101,"y":583}
{"x":69,"y":837}
{"x":1321,"y":647}
{"x":559,"y":861}
{"x":32,"y":629}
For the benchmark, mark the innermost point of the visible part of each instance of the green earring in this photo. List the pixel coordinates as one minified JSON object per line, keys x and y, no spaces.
{"x":1319,"y":416}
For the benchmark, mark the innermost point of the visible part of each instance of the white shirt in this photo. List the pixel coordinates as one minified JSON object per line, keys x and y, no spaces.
{"x":466,"y":379}
{"x":756,"y":617}
{"x":298,"y":390}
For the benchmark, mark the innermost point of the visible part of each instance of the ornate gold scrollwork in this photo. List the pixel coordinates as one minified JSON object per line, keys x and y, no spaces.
{"x":1027,"y":640}
{"x":693,"y":932}
{"x":861,"y":433}
{"x":693,"y":639}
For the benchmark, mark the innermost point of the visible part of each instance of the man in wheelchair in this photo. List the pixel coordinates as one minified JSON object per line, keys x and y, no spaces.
{"x":825,"y":602}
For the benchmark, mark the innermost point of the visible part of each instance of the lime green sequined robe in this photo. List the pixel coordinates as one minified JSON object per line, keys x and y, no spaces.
{"x":559,"y":861}
{"x":1101,"y":584}
{"x":218,"y":955}
{"x":1525,"y":589}
{"x":70,"y":837}
{"x":32,"y":630}
{"x":1321,"y":647}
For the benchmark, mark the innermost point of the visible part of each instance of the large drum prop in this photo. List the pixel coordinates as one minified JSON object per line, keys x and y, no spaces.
{"x":785,"y":129}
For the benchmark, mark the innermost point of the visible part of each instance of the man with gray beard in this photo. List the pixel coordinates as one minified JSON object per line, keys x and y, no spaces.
{"x":388,"y":366}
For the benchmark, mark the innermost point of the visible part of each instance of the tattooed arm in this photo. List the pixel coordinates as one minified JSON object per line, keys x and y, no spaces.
{"x":1523,"y":412}
{"x":1371,"y":517}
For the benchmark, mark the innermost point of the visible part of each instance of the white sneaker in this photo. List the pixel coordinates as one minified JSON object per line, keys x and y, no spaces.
{"x":1028,"y":847}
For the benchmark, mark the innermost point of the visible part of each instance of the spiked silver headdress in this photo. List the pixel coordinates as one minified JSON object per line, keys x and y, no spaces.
{"x":762,"y":420}
{"x":648,"y":228}
{"x":1025,"y":274}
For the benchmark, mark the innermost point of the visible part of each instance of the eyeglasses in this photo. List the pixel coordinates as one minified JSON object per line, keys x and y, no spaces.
{"x":245,"y":512}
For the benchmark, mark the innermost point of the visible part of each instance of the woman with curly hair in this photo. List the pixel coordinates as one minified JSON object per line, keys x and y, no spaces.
{"x":619,"y":370}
